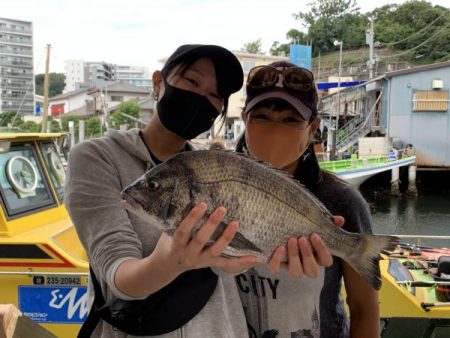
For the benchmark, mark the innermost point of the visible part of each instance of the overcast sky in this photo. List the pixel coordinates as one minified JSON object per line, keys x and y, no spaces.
{"x":140,"y":32}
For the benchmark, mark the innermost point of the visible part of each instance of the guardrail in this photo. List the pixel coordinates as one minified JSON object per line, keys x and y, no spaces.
{"x":341,"y":165}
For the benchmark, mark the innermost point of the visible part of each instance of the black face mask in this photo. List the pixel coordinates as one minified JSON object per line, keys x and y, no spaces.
{"x":185,"y":113}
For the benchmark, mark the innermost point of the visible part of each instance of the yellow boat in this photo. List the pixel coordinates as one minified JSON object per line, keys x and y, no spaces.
{"x":415,"y":296}
{"x":43,"y":267}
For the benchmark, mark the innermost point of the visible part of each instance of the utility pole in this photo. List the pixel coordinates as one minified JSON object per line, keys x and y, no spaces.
{"x":334,"y":152}
{"x":369,"y":41}
{"x":45,"y":113}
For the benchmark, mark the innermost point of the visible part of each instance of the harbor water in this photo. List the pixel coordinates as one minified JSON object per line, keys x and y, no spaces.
{"x":427,"y":214}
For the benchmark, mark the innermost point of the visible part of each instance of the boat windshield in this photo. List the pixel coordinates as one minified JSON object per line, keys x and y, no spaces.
{"x":52,"y":158}
{"x":23,"y":186}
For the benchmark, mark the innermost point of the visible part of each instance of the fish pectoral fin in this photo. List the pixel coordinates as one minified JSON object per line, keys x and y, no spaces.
{"x":239,"y":242}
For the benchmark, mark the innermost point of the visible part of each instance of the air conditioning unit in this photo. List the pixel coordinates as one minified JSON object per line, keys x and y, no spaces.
{"x":437,"y":84}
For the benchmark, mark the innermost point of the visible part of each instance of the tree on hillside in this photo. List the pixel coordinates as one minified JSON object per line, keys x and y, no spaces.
{"x":55,"y":86}
{"x":328,"y":20}
{"x":417,"y":30}
{"x":253,"y":47}
{"x":294,"y":36}
{"x":416,"y":27}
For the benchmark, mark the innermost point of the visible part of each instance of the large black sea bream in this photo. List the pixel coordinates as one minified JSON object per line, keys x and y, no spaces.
{"x":269,"y":205}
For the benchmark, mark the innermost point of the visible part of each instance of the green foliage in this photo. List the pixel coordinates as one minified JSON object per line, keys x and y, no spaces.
{"x":328,"y":9}
{"x":31,"y":127}
{"x":416,"y":29}
{"x":329,"y":20}
{"x":253,"y":47}
{"x":130,"y":107}
{"x":93,"y":127}
{"x":55,"y":86}
{"x":65,"y":122}
{"x":279,"y":49}
{"x":55,"y":127}
{"x":8,"y":117}
{"x":295,"y":36}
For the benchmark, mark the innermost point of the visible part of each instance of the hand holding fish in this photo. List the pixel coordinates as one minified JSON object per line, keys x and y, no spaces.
{"x":304,"y":257}
{"x":185,"y":252}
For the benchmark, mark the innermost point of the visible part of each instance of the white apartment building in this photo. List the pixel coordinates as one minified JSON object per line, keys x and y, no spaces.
{"x":81,"y":74}
{"x":16,"y":67}
{"x":136,"y":75}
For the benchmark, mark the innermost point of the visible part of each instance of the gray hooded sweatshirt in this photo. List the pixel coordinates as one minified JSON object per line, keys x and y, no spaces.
{"x":98,"y":170}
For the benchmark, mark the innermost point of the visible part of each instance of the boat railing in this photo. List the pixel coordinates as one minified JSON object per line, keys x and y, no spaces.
{"x":418,"y":239}
{"x":420,"y":236}
{"x":353,"y":163}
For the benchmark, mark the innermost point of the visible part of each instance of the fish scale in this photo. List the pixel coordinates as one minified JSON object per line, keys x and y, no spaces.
{"x":269,"y":205}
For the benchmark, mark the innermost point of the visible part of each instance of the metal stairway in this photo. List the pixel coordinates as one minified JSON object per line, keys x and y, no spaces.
{"x":360,"y":126}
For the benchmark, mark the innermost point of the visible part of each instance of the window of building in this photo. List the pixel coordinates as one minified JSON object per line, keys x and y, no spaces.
{"x":430,"y":100}
{"x":116,"y":98}
{"x":243,"y":92}
{"x":247,"y":65}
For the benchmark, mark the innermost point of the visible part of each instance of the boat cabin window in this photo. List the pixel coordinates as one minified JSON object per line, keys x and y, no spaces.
{"x":52,"y":158}
{"x":23,"y":186}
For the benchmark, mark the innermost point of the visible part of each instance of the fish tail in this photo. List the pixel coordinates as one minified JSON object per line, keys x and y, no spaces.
{"x":365,"y":259}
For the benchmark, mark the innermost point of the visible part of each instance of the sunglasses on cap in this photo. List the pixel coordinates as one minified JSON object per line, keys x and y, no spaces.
{"x":296,"y":78}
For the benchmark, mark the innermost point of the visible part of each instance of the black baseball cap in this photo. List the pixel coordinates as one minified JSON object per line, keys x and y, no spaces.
{"x":230,"y":75}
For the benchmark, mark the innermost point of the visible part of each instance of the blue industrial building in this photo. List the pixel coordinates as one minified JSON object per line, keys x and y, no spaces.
{"x":409,"y":106}
{"x":415,"y":109}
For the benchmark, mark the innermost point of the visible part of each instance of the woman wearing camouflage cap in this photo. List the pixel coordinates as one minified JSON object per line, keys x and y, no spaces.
{"x":280,"y":117}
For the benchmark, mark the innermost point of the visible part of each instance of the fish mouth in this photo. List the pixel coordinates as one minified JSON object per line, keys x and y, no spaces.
{"x":130,"y":203}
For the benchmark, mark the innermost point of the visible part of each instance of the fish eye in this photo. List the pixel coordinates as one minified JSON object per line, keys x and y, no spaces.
{"x":153,"y":185}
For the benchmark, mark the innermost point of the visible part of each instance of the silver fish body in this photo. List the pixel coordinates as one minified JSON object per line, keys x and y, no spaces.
{"x":270,"y":206}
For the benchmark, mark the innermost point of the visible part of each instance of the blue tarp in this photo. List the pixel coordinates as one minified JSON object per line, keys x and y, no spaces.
{"x":328,"y":85}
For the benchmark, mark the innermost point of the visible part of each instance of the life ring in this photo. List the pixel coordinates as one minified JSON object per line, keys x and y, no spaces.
{"x":19,"y":179}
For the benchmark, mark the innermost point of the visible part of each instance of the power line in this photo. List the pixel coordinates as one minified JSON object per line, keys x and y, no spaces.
{"x":419,"y":45}
{"x":418,"y":32}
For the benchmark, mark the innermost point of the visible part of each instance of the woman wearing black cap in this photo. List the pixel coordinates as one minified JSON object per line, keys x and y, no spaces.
{"x":280,"y":116}
{"x":152,"y":283}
